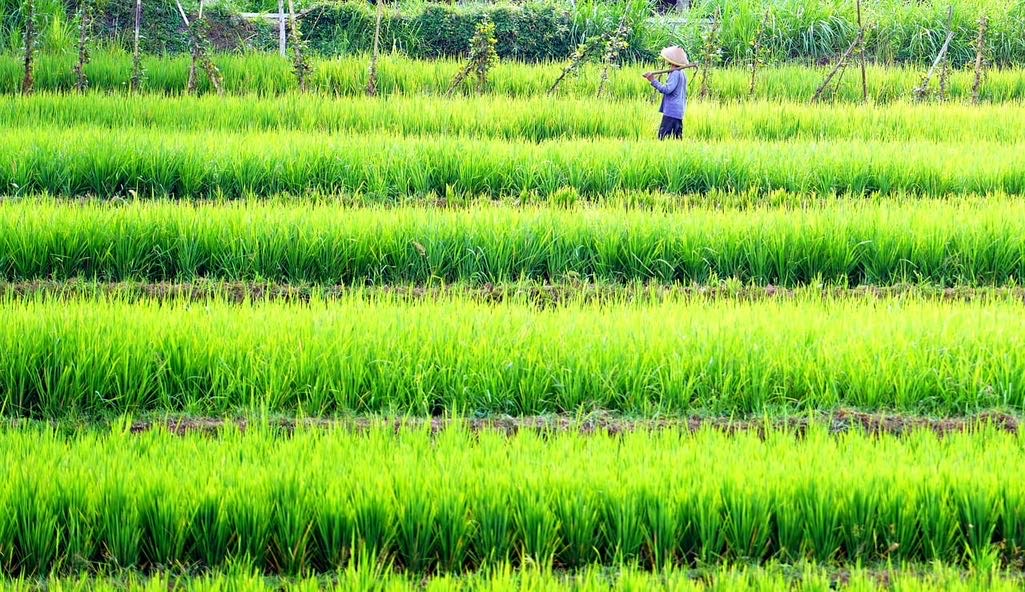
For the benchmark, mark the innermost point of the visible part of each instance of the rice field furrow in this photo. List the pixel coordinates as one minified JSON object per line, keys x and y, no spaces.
{"x":805,"y":577}
{"x":539,"y":293}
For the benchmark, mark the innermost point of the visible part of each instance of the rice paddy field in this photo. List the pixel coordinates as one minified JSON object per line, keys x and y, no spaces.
{"x":508,"y":340}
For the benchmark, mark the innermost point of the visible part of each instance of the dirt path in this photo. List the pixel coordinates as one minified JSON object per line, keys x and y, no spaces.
{"x":542,"y":294}
{"x":837,"y":423}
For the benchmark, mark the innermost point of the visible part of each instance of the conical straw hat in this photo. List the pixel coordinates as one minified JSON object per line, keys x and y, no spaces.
{"x":675,"y":56}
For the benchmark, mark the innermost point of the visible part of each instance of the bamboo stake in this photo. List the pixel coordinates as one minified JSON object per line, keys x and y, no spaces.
{"x":756,"y":50}
{"x":136,"y":56}
{"x":980,"y":59}
{"x":713,"y":51}
{"x":861,"y":51}
{"x":190,"y":86}
{"x":199,"y":53}
{"x":282,"y":44}
{"x":945,"y":70}
{"x":84,"y":21}
{"x":28,"y":83}
{"x":842,"y":64}
{"x":302,"y":68}
{"x":372,"y":78}
{"x":923,"y":90}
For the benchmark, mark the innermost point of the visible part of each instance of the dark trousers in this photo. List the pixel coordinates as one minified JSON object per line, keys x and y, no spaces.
{"x":671,"y":128}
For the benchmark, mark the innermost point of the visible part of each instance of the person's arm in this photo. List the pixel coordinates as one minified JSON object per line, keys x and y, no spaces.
{"x":670,"y":85}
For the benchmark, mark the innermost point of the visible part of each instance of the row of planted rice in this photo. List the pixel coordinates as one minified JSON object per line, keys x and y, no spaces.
{"x":458,"y":500}
{"x":968,"y":242}
{"x":448,"y":354}
{"x":347,"y":76}
{"x":86,"y":159}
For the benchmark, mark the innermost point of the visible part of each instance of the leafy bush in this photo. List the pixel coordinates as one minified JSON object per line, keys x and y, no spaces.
{"x":531,"y":33}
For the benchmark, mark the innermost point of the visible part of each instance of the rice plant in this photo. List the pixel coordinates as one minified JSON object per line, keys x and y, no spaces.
{"x":530,"y":118}
{"x":86,"y":160}
{"x":93,"y":357}
{"x":428,"y":489}
{"x":847,"y":242}
{"x":348,"y":76}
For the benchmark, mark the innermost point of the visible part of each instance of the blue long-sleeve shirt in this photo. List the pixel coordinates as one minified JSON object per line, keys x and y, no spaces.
{"x":674,"y":94}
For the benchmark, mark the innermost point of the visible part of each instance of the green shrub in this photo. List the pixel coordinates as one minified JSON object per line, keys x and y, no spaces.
{"x":529,"y":33}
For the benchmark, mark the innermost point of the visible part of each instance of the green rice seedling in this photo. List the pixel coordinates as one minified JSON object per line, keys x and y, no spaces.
{"x":96,"y":357}
{"x":578,"y":513}
{"x":532,"y":118}
{"x":269,"y":74}
{"x":293,"y":536}
{"x":753,"y":479}
{"x":102,"y":162}
{"x":848,"y":242}
{"x":624,"y":530}
{"x":165,"y":528}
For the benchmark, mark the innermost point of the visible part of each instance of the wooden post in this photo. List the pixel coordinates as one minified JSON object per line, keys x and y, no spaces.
{"x":712,"y":50}
{"x":945,"y":70}
{"x":136,"y":56}
{"x":282,"y":48}
{"x":980,"y":59}
{"x":861,"y":50}
{"x":199,"y":52}
{"x":28,"y":83}
{"x":756,"y":50}
{"x":190,"y":86}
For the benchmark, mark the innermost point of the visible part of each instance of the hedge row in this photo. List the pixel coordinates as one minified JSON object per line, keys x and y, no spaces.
{"x":530,"y":33}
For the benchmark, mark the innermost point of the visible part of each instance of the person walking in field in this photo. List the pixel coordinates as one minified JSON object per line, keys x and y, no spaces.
{"x":674,"y":92}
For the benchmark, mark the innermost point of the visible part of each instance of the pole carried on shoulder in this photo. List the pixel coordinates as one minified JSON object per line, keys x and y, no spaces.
{"x":688,"y":66}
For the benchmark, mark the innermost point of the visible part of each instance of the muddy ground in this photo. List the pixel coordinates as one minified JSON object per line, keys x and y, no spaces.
{"x":837,"y":423}
{"x":542,"y":294}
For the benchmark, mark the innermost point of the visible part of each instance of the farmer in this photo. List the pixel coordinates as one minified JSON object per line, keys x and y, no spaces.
{"x":674,"y":92}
